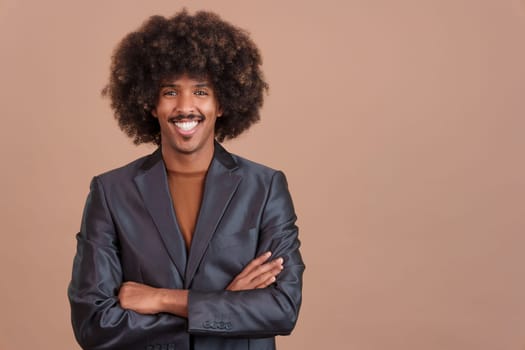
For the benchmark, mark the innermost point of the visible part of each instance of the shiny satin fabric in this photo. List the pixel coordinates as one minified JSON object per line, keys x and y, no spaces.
{"x":129,"y":232}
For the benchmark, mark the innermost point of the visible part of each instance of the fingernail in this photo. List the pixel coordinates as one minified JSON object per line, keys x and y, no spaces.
{"x":268,"y":254}
{"x":280,"y":261}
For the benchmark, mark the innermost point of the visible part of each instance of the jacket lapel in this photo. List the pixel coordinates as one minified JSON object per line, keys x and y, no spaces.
{"x":152,"y":183}
{"x":220,"y":186}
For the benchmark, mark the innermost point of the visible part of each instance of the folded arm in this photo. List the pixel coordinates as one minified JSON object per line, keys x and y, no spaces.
{"x":99,"y":321}
{"x":266,"y":311}
{"x":262,"y":300}
{"x":147,"y":300}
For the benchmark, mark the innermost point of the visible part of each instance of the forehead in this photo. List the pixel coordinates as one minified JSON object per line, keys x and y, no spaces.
{"x":186,"y":79}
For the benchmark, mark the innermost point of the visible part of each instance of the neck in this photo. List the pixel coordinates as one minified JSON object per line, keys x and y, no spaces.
{"x":187,"y":162}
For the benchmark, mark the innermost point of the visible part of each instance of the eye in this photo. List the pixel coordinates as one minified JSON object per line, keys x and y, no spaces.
{"x":169,"y":93}
{"x":201,"y":92}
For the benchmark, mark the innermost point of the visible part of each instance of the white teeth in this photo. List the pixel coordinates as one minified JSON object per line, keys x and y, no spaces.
{"x":186,"y":126}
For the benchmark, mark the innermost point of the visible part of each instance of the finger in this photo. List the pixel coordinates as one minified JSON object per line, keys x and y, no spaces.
{"x":254,"y":264}
{"x":266,"y":283}
{"x":261,"y":259}
{"x":252,"y":282}
{"x":262,"y":278}
{"x":262,"y":269}
{"x":268,"y":278}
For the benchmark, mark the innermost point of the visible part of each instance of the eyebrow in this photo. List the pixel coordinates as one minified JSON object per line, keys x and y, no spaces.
{"x":198,"y":85}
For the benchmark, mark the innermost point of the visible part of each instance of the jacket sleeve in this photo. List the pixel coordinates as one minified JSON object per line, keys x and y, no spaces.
{"x":98,"y":320}
{"x":261,"y":312}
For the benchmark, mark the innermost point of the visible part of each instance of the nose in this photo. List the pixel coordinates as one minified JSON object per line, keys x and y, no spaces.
{"x":185,"y":104}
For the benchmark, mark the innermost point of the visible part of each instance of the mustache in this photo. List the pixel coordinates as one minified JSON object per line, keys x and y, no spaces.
{"x":192,"y":116}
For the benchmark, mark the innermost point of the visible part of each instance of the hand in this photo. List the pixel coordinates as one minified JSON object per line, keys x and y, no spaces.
{"x":257,"y":274}
{"x":148,"y":300}
{"x":140,"y":298}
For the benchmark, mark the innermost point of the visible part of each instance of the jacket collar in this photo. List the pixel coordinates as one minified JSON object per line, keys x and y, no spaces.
{"x":219,"y":154}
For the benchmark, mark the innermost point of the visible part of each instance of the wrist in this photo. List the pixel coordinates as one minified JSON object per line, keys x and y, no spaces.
{"x":165,"y":299}
{"x":174,"y":301}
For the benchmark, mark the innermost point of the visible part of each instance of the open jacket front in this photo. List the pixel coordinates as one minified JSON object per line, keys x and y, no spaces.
{"x":129,"y":232}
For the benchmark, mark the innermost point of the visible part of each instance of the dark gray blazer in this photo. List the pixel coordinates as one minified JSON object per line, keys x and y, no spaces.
{"x":129,"y":232}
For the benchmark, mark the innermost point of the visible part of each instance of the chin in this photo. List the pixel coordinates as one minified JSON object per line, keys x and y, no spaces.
{"x":186,"y":148}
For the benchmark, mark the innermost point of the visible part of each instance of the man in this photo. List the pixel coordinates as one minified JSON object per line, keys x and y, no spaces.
{"x":190,"y":247}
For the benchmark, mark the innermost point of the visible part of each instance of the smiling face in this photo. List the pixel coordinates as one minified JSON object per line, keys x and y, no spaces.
{"x":187,"y":109}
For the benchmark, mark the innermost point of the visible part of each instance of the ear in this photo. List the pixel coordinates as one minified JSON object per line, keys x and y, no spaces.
{"x":154,"y":112}
{"x":219,"y":112}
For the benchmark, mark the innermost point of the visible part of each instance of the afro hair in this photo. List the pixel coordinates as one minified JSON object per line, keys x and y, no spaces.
{"x":199,"y":45}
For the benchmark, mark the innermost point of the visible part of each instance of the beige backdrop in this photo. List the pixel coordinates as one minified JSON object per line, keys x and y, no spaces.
{"x":400,"y":126}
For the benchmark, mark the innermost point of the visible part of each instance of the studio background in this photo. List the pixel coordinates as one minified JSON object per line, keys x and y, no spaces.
{"x":400,"y":127}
